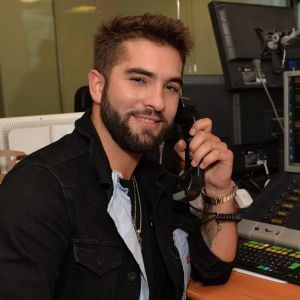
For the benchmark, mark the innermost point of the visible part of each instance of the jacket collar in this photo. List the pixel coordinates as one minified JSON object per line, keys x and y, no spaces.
{"x":150,"y":171}
{"x":98,"y":160}
{"x":146,"y":169}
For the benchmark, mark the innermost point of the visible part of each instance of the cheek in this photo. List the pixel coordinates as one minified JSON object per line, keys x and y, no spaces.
{"x":121,"y":100}
{"x":170,"y":112}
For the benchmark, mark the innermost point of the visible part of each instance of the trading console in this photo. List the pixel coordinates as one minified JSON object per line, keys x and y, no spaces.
{"x":270,"y":231}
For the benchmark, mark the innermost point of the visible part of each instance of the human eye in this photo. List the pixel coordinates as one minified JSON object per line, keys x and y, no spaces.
{"x":138,"y":80}
{"x":173,"y":88}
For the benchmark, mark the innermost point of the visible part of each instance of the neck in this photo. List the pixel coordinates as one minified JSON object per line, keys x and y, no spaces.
{"x":119,"y":159}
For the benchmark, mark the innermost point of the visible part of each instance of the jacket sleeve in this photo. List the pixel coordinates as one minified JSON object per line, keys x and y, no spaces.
{"x":34,"y":234}
{"x":206,"y":267}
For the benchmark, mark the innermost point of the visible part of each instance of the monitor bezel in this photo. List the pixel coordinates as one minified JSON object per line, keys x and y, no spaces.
{"x":288,"y":166}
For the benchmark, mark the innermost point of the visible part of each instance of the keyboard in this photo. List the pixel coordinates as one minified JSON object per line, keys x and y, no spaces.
{"x":270,"y":260}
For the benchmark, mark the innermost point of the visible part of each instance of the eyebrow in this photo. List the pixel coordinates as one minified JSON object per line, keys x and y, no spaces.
{"x":152,"y":75}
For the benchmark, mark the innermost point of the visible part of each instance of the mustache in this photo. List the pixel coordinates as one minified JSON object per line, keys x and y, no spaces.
{"x":148,"y":111}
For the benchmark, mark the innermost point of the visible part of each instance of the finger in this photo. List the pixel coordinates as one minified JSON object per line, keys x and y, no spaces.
{"x":204,"y":124}
{"x":180,"y":148}
{"x":209,"y":146}
{"x":201,"y":138}
{"x":220,"y":155}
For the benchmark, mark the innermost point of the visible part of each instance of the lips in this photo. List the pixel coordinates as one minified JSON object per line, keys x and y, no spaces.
{"x":147,"y":119}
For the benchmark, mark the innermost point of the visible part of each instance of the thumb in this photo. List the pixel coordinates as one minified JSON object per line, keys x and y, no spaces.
{"x":179,"y":147}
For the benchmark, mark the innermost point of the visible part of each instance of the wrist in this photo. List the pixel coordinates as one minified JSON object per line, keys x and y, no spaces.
{"x":217,"y":191}
{"x":219,"y":196}
{"x":230,"y":207}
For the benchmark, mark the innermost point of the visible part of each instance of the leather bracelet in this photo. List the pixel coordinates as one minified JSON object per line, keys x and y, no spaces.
{"x":218,"y":200}
{"x":229,"y":217}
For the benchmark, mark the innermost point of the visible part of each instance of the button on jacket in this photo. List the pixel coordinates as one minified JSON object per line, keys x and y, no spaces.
{"x":57,"y":240}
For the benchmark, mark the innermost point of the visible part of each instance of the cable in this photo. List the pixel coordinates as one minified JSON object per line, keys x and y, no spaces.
{"x":267,"y":173}
{"x":161,"y":151}
{"x":256,"y":63}
{"x":273,"y":106}
{"x":283,"y":57}
{"x":264,"y":162}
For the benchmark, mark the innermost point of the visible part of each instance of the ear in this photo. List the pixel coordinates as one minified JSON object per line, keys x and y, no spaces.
{"x":96,"y":85}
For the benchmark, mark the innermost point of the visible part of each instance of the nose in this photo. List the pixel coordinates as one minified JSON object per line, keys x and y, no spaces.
{"x":156,"y":99}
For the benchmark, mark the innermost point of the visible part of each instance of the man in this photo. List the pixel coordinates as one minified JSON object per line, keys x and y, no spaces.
{"x":89,"y":217}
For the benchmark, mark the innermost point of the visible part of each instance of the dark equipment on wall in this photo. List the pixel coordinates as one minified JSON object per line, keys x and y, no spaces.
{"x":245,"y":32}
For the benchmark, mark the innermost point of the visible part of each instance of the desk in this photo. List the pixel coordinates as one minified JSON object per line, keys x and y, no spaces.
{"x":244,"y":287}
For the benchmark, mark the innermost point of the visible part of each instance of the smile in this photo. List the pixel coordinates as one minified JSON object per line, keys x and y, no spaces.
{"x":147,"y":120}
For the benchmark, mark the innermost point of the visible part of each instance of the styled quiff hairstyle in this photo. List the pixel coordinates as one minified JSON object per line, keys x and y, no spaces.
{"x":109,"y":39}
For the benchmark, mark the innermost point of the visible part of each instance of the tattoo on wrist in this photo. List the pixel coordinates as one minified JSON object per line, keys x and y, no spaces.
{"x":210,"y":227}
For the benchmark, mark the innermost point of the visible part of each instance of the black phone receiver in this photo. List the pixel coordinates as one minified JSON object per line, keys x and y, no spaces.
{"x":191,"y":181}
{"x":186,"y":115}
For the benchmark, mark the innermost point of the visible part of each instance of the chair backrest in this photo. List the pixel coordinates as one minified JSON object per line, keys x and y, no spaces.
{"x":83,"y":99}
{"x":30,"y":133}
{"x":13,"y":156}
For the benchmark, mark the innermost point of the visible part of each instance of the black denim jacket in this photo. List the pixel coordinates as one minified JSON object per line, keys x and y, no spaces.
{"x":57,"y":240}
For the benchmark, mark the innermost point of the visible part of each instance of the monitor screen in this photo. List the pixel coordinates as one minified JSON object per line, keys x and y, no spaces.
{"x":292,"y":121}
{"x":245,"y":32}
{"x":31,"y":133}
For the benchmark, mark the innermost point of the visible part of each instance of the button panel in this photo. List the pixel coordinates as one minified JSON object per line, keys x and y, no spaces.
{"x":271,"y":260}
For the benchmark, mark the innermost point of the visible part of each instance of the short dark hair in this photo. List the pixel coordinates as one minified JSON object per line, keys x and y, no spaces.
{"x":108,"y":42}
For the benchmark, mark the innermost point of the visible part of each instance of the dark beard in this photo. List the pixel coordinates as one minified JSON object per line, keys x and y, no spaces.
{"x":122,"y":134}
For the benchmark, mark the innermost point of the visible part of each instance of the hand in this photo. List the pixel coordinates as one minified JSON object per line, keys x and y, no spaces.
{"x":212,"y":155}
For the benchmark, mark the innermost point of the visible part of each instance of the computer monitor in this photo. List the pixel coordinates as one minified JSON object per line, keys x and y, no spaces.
{"x":245,"y":32}
{"x":291,"y":81}
{"x":31,"y":133}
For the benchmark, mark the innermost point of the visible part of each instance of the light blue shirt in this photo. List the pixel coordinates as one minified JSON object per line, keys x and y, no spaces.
{"x":119,"y":208}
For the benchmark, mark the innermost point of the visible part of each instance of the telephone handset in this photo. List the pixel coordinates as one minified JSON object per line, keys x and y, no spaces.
{"x":191,"y":181}
{"x":185,"y":118}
